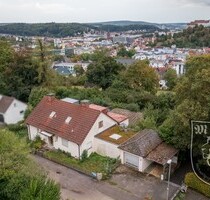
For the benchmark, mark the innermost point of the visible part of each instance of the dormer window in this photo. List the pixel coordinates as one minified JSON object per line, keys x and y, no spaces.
{"x":52,"y":114}
{"x":68,"y":119}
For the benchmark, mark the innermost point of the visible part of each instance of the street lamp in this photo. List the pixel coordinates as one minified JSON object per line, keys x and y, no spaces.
{"x":169,"y":173}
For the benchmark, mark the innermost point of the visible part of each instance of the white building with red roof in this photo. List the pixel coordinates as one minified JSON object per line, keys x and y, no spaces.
{"x":66,"y":126}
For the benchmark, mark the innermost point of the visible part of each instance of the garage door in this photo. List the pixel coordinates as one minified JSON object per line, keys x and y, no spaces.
{"x":1,"y":118}
{"x":131,"y":160}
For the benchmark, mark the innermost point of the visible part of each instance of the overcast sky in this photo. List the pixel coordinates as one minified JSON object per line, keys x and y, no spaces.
{"x":103,"y":10}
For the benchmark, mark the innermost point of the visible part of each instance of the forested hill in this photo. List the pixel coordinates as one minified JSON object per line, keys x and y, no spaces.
{"x":64,"y":29}
{"x":120,"y":28}
{"x":44,"y":29}
{"x":198,"y":36}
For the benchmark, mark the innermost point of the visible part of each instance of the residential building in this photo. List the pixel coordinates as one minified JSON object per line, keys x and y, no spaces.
{"x":11,"y":110}
{"x":66,"y":126}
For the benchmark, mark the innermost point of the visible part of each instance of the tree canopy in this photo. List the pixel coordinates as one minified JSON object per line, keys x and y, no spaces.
{"x":65,"y":29}
{"x":140,"y":76}
{"x":192,"y":102}
{"x":192,"y":37}
{"x":170,"y":77}
{"x":103,"y":71}
{"x":125,"y":53}
{"x":22,"y":70}
{"x":16,"y":179}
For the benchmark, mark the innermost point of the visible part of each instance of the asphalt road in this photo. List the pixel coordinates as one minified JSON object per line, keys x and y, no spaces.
{"x":76,"y":186}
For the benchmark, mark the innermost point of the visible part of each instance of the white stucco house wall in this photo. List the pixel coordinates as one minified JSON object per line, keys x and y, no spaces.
{"x":66,"y":126}
{"x":11,"y":110}
{"x":107,"y":142}
{"x":106,"y":148}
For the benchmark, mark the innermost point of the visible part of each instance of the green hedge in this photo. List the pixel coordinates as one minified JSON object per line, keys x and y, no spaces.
{"x":195,"y":183}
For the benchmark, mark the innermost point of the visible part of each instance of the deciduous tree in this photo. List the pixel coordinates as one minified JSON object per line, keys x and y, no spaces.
{"x":192,"y":102}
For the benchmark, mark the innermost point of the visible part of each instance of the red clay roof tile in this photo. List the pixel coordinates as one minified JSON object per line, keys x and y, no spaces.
{"x":76,"y":130}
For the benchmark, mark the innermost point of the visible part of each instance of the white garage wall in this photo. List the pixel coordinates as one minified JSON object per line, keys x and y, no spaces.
{"x":106,"y":148}
{"x":143,"y":164}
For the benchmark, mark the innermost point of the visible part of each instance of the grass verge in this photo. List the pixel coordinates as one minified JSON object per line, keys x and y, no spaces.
{"x":94,"y":163}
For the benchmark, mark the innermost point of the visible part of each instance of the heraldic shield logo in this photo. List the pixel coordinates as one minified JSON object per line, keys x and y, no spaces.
{"x":200,"y":149}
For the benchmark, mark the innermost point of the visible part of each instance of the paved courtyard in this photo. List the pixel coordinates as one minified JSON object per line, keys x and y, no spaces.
{"x":122,"y":186}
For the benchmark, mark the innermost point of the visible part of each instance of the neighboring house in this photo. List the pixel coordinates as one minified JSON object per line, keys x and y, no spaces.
{"x":11,"y":110}
{"x":67,"y":68}
{"x":122,"y":39}
{"x":145,"y":148}
{"x":126,"y":61}
{"x":177,"y":65}
{"x":121,"y":120}
{"x":66,"y":126}
{"x":133,"y":117}
{"x":205,"y":23}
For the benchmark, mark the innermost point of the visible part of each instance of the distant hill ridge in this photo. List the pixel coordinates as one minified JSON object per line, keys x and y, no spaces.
{"x":70,"y":29}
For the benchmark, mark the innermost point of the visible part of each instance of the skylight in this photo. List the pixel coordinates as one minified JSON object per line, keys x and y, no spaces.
{"x":115,"y":136}
{"x":52,"y":114}
{"x":68,"y":119}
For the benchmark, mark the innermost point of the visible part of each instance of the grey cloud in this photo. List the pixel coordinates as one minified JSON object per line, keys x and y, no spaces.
{"x":204,"y":2}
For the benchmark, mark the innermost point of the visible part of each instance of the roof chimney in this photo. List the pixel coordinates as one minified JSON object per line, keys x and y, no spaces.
{"x":85,"y":103}
{"x":50,"y":97}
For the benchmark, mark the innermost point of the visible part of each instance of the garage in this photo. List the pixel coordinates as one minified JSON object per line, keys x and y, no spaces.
{"x":131,"y":160}
{"x":1,"y":118}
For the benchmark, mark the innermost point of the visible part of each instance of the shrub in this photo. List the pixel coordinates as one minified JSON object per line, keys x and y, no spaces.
{"x":84,"y":155}
{"x":19,"y":129}
{"x":132,"y":107}
{"x":16,"y":127}
{"x":195,"y":183}
{"x":64,"y":152}
{"x":37,"y":143}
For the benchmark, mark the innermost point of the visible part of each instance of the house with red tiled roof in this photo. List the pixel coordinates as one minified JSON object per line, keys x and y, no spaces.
{"x":67,"y":126}
{"x":11,"y":110}
{"x":119,"y":118}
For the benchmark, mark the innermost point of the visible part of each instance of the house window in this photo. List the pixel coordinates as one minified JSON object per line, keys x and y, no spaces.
{"x":64,"y":142}
{"x":100,"y":124}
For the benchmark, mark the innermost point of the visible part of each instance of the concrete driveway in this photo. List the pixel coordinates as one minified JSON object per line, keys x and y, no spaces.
{"x":122,"y":186}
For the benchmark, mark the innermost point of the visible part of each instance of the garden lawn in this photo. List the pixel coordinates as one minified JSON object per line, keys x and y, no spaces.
{"x":94,"y":163}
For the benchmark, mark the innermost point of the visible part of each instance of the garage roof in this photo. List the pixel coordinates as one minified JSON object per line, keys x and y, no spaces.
{"x":142,"y":143}
{"x":149,"y":145}
{"x":162,"y":153}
